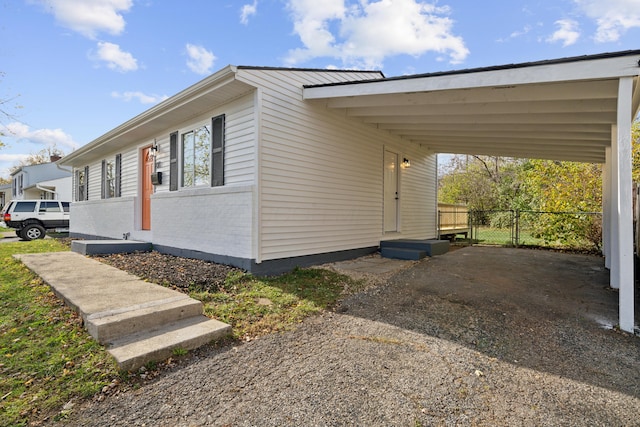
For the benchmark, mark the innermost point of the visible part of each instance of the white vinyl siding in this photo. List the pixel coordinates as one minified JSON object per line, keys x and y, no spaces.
{"x":418,"y":207}
{"x":321,"y":174}
{"x":130,"y":172}
{"x":238,"y":146}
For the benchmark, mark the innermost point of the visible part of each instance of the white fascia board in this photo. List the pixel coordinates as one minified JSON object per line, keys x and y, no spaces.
{"x":594,"y":69}
{"x":216,"y":80}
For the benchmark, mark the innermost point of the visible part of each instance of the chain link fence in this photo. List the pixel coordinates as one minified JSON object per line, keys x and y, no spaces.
{"x":559,"y":230}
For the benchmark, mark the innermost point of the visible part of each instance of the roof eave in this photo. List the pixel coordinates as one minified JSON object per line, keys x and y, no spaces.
{"x":595,"y":67}
{"x":218,"y":79}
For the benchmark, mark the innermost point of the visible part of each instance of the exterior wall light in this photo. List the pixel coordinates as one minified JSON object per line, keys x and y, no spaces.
{"x":406,"y":163}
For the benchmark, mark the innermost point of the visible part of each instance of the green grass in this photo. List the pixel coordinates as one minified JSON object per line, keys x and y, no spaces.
{"x":46,"y":358}
{"x":256,"y":306}
{"x":502,"y":236}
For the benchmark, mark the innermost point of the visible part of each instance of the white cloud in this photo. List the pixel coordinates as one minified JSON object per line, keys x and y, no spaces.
{"x":524,"y":31}
{"x":115,"y":58}
{"x":365,"y":32}
{"x":247,"y":11}
{"x":200,"y":59}
{"x":13,"y":158}
{"x":613,"y":17}
{"x":567,"y":33}
{"x":45,"y":137}
{"x":7,"y":161}
{"x":141,"y":97}
{"x":89,"y":17}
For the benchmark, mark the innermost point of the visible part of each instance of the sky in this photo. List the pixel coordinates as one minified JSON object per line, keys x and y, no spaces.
{"x":71,"y":70}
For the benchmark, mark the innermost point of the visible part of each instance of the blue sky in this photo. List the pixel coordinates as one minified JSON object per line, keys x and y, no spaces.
{"x":71,"y":70}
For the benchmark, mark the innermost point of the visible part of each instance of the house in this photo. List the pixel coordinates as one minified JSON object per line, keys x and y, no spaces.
{"x":5,"y":194}
{"x":240,"y":169}
{"x":269,"y":168}
{"x":42,"y":181}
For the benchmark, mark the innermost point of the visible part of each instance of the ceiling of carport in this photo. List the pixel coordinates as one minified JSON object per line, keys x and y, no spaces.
{"x":561,"y":110}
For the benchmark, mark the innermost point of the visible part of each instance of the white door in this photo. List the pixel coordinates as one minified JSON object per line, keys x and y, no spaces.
{"x":390,"y":192}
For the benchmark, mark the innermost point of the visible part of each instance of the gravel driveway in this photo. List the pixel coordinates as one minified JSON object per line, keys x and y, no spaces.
{"x":479,"y":336}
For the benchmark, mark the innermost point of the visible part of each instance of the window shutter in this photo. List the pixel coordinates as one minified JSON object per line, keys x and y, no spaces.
{"x":86,"y":183}
{"x":118,"y":173}
{"x":104,"y":179}
{"x":173,"y":161}
{"x":217,"y":151}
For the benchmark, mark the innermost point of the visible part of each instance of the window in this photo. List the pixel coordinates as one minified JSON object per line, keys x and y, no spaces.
{"x":196,"y":152}
{"x":17,"y":185}
{"x":25,"y":207}
{"x":82,"y":188}
{"x":111,"y":170}
{"x":49,"y":207}
{"x":201,"y":156}
{"x":65,"y":206}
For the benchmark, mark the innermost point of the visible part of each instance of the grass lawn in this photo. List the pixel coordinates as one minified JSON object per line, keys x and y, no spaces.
{"x":258,"y":306}
{"x":48,"y":360}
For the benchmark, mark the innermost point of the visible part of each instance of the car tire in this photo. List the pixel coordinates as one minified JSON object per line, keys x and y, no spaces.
{"x":19,"y":233}
{"x":33,"y":232}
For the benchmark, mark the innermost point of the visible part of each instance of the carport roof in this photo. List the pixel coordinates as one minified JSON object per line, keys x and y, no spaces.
{"x":561,"y":109}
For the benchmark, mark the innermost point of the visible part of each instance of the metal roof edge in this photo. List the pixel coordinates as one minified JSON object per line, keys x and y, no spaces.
{"x":493,"y":68}
{"x":330,"y":70}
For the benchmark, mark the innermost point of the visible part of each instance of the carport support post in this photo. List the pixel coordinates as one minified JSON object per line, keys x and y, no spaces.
{"x":622,"y":264}
{"x":606,"y":205}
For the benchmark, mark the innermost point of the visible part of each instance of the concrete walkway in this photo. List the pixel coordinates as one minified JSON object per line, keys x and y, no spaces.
{"x":137,"y":321}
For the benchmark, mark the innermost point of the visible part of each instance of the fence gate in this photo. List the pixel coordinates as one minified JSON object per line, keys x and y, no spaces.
{"x":493,"y":227}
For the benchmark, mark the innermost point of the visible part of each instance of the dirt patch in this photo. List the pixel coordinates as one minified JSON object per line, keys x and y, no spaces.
{"x":479,"y":336}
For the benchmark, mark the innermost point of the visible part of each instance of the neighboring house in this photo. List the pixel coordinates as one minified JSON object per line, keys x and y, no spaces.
{"x":245,"y":172}
{"x":267,"y":168}
{"x":5,"y":194}
{"x":44,"y":181}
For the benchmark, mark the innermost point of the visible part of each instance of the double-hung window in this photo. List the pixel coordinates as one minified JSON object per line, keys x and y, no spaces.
{"x":196,"y":155}
{"x":198,"y":158}
{"x":82,"y":180}
{"x":111,"y":171}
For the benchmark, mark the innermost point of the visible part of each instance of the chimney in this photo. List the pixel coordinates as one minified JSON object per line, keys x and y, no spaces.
{"x":54,"y":158}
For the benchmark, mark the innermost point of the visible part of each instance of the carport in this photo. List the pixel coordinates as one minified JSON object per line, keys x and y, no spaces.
{"x":577,"y":109}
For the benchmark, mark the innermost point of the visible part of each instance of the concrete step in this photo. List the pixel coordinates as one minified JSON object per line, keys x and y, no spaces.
{"x":403,"y":253}
{"x":113,"y":324}
{"x":431,"y":247}
{"x":136,"y":350}
{"x":105,"y":247}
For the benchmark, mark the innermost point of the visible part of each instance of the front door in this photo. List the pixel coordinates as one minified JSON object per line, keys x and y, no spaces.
{"x":390,"y":192}
{"x":147,"y":187}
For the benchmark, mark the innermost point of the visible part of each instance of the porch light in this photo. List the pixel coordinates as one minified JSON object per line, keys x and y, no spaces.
{"x":406,"y":163}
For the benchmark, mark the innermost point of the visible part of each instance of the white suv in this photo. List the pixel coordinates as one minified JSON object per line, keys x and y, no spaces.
{"x":31,"y":218}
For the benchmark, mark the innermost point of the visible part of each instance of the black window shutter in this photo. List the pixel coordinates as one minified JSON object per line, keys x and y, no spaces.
{"x":104,"y":179}
{"x":217,"y":151}
{"x":86,"y":183}
{"x":118,"y":174}
{"x":173,"y":161}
